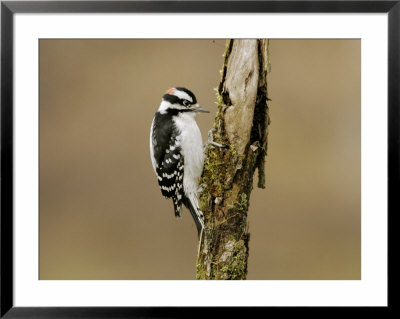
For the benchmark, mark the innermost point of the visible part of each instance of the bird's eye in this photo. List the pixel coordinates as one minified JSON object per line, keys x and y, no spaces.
{"x":186,"y":103}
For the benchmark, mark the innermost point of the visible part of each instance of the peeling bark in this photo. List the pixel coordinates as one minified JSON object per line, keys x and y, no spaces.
{"x":241,"y":124}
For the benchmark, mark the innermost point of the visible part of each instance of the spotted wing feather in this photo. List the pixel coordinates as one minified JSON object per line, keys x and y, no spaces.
{"x":170,"y":173}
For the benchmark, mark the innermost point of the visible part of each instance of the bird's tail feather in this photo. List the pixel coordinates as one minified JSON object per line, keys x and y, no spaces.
{"x":193,"y":206}
{"x":177,"y":207}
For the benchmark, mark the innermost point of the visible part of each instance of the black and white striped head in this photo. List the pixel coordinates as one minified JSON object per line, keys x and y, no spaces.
{"x":179,"y":100}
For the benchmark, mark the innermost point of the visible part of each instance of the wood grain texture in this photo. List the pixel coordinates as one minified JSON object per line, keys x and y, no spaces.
{"x":241,"y":125}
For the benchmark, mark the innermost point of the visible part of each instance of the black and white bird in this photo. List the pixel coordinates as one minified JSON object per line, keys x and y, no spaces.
{"x":176,"y":151}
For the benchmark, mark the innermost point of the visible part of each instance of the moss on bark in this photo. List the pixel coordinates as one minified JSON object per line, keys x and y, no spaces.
{"x":228,"y":181}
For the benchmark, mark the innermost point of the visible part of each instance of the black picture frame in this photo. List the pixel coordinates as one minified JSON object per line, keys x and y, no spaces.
{"x":9,"y":8}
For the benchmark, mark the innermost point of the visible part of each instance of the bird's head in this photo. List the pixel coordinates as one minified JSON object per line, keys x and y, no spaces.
{"x":180,"y":100}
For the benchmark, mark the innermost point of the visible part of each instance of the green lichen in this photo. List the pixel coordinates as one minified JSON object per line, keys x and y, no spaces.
{"x":213,"y":174}
{"x":242,"y":204}
{"x":239,"y":205}
{"x":220,"y":100}
{"x":214,"y":270}
{"x":200,"y":272}
{"x":238,"y":267}
{"x":216,"y":174}
{"x":232,"y":149}
{"x":235,"y":267}
{"x":225,"y":269}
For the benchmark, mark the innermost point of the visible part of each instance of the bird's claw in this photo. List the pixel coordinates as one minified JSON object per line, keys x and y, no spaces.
{"x":211,"y":142}
{"x":217,"y":144}
{"x":201,"y":188}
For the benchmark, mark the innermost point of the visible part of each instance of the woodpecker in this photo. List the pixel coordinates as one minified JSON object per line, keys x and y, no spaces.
{"x":176,"y":151}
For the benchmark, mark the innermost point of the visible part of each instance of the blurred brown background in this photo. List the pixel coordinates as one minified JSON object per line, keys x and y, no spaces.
{"x":102,"y":215}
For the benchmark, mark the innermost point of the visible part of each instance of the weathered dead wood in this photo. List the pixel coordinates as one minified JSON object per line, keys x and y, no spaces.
{"x":241,"y":124}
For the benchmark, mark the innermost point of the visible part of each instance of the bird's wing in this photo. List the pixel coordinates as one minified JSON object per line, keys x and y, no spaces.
{"x":170,"y":173}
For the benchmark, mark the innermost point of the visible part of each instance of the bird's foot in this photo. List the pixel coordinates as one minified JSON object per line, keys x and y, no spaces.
{"x":211,"y":142}
{"x":201,"y":188}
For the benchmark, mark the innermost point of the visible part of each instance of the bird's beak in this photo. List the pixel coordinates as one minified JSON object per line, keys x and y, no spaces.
{"x":198,"y":108}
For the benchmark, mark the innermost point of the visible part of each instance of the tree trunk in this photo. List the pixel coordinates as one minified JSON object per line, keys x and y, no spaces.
{"x":242,"y":125}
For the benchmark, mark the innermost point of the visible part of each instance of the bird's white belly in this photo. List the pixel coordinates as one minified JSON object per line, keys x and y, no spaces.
{"x":192,"y":151}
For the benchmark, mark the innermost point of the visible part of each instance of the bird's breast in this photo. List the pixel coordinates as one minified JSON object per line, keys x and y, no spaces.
{"x":191,"y":145}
